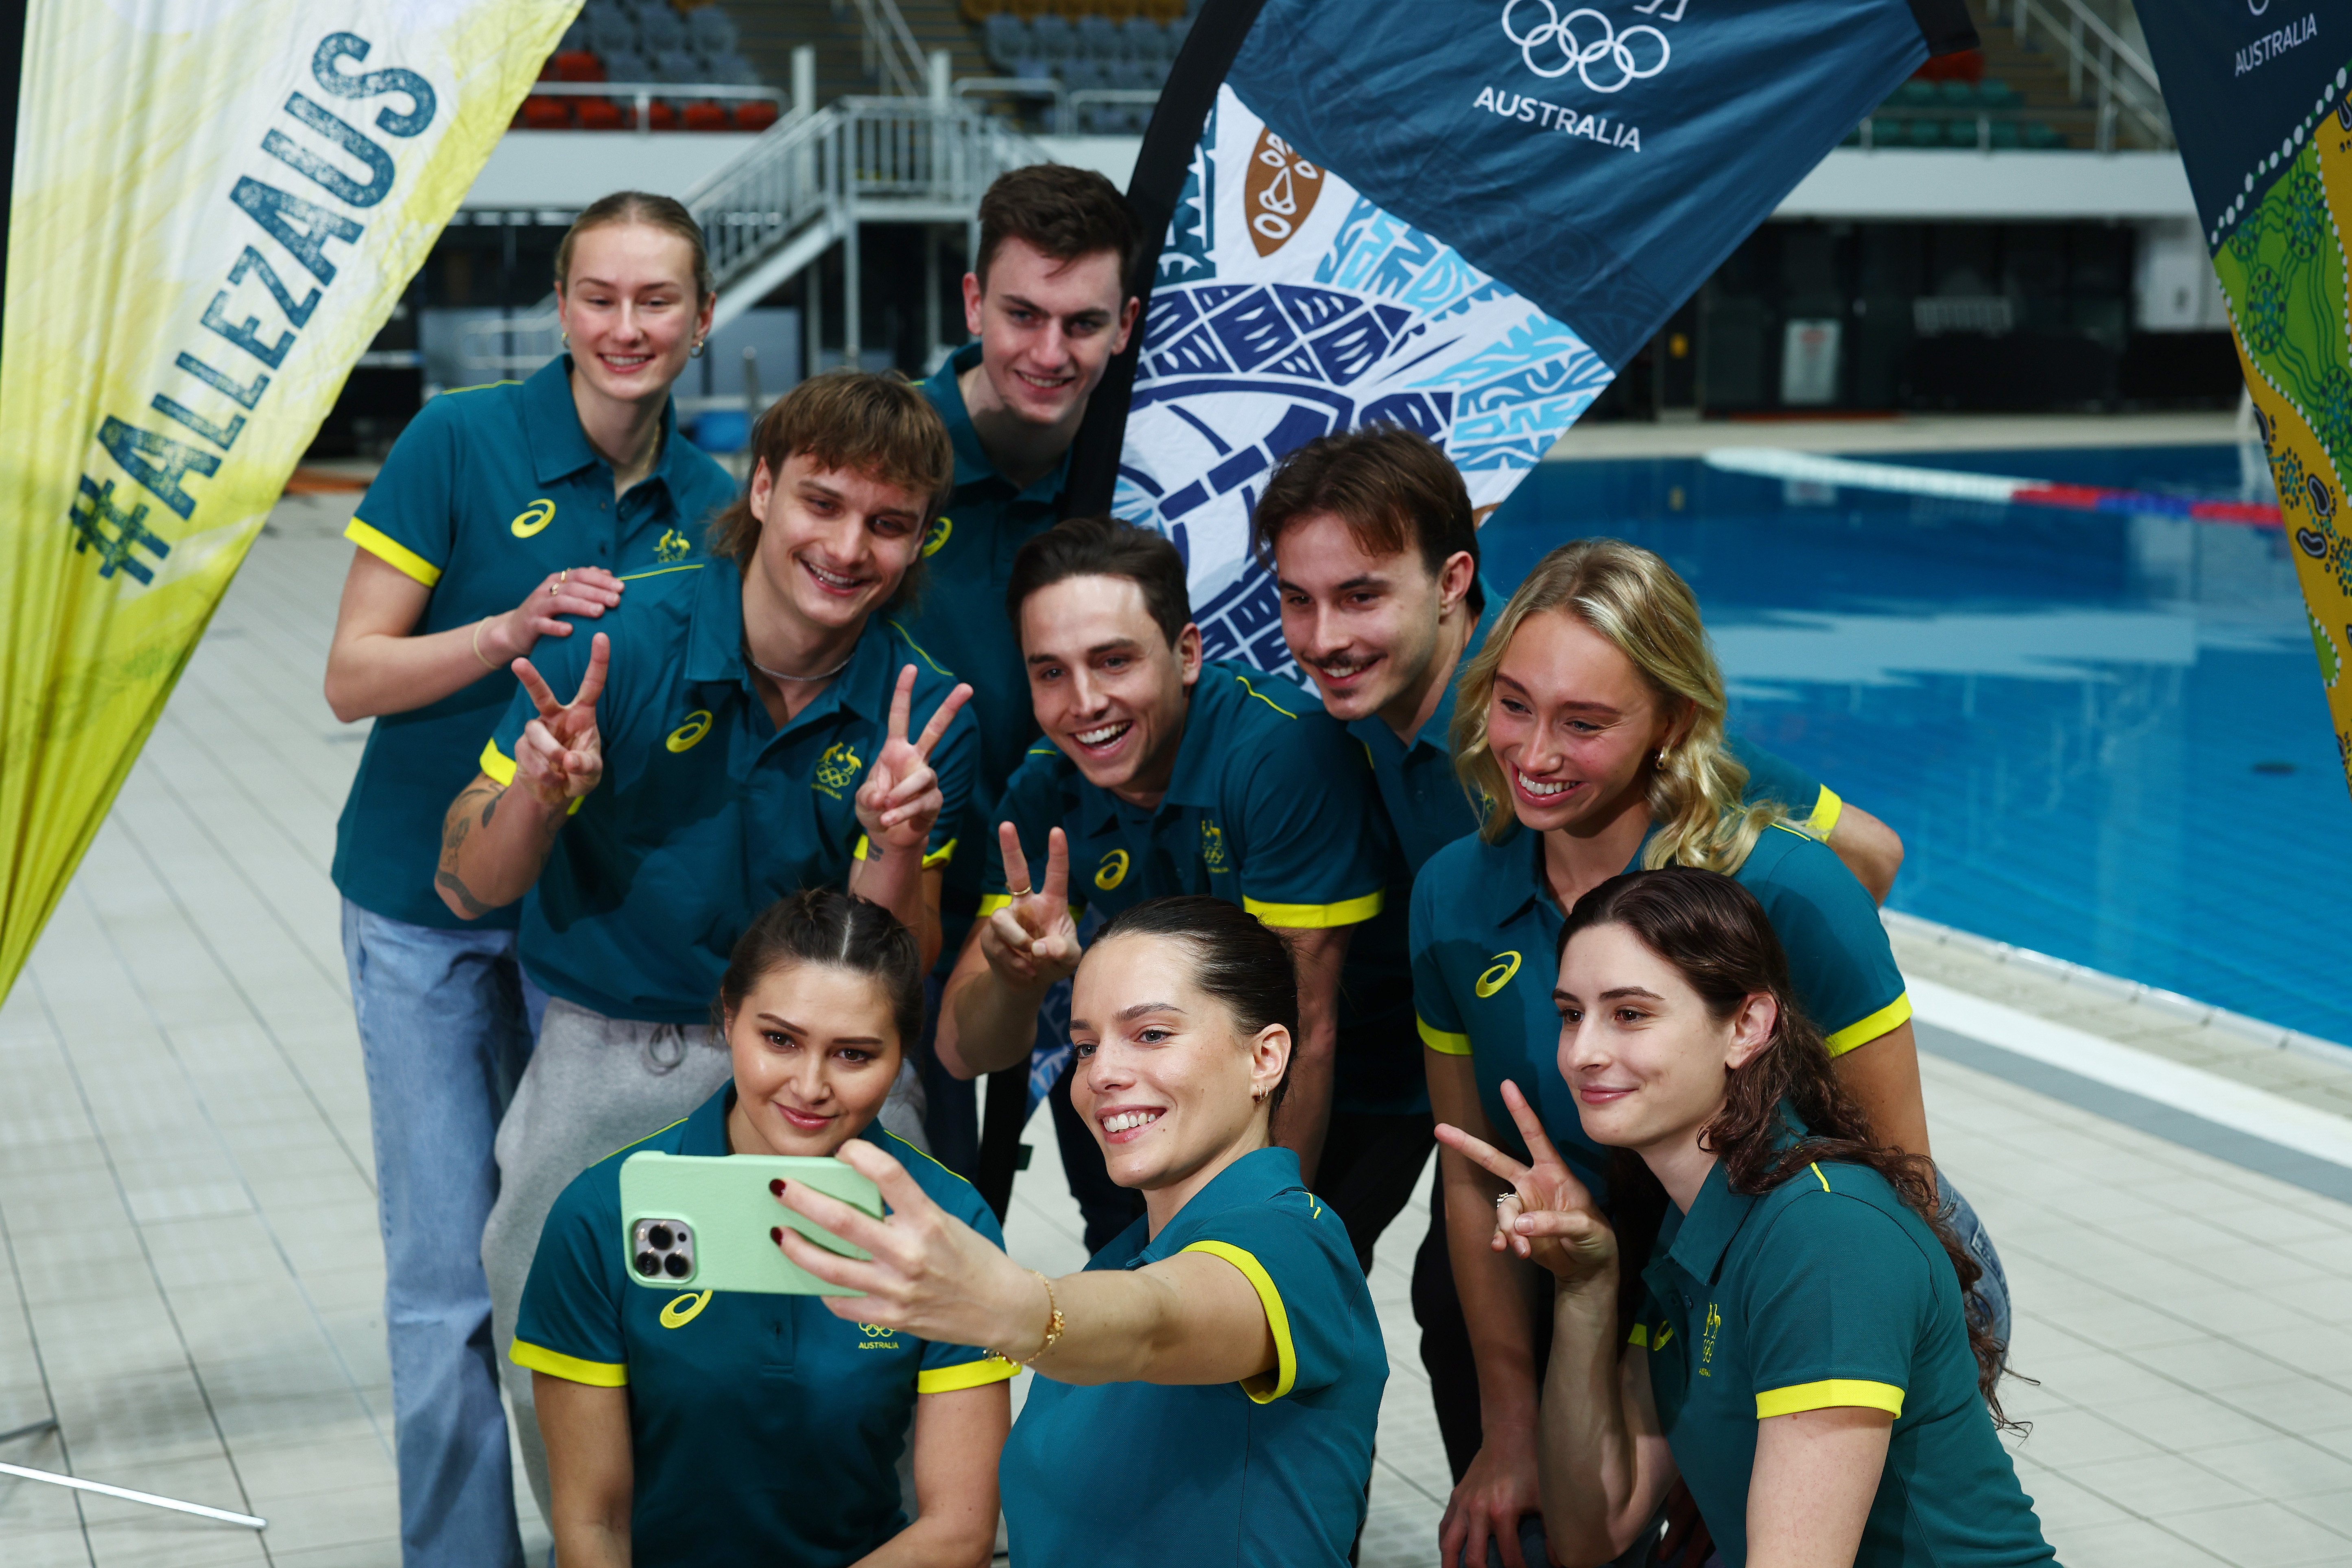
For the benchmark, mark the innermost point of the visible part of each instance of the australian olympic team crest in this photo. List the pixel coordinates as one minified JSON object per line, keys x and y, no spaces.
{"x":837,"y":769}
{"x":1288,"y":307}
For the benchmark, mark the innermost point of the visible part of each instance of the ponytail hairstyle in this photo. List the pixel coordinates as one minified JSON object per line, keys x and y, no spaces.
{"x":1639,"y":603}
{"x":840,"y":931}
{"x":1718,"y":937}
{"x":1236,"y":958}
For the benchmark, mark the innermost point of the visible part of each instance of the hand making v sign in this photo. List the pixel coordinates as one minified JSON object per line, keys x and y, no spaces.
{"x":560,"y":757}
{"x":900,"y":800}
{"x":1033,"y":941}
{"x":1548,"y":1218}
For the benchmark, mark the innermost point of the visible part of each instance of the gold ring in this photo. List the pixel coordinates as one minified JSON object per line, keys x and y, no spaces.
{"x":1022,"y":892}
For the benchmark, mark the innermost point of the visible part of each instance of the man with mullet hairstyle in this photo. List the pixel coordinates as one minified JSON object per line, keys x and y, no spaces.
{"x":1047,"y":304}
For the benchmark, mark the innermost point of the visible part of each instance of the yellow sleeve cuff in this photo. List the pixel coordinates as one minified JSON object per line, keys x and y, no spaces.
{"x":500,"y":769}
{"x":392,"y":552}
{"x":992,"y":902}
{"x":1266,"y":1387}
{"x":1318,"y":917}
{"x":1438,"y":1040}
{"x":571,"y":1368}
{"x":931,"y":862}
{"x":1832,"y":1394}
{"x":1894,"y":1015}
{"x":978,"y":1373}
{"x":1826,"y":808}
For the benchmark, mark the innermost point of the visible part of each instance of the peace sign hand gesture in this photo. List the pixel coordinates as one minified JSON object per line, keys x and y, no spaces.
{"x":1033,"y":941}
{"x":1548,"y":1217}
{"x":561,"y":757}
{"x":901,"y":799}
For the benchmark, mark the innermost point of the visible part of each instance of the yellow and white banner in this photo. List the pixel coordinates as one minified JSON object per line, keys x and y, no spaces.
{"x":215,"y":205}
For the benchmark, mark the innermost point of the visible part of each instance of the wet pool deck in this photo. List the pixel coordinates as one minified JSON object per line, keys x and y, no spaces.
{"x":193,"y":1278}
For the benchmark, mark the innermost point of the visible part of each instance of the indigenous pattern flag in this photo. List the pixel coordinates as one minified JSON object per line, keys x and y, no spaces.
{"x":2262,"y":105}
{"x":1459,"y":215}
{"x":214,"y":207}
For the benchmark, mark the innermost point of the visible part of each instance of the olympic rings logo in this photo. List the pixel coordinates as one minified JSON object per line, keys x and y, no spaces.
{"x":1586,"y":38}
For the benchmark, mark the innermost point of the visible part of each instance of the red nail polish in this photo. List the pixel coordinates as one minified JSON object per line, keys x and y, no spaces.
{"x":777,"y":1186}
{"x":776,"y":1234}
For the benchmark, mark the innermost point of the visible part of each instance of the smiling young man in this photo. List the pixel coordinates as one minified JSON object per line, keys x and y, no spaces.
{"x":1164,"y":775}
{"x":1373,"y":544}
{"x":1047,"y":302}
{"x":741,"y":730}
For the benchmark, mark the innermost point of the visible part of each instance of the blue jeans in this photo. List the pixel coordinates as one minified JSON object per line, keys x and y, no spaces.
{"x":1992,"y":1288}
{"x":444,"y":1040}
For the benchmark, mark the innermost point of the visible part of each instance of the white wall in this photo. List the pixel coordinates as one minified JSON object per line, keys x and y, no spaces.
{"x":1958,"y":186}
{"x":566,"y":170}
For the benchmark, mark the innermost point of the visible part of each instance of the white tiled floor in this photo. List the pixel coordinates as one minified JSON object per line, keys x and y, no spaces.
{"x":193,"y":1276}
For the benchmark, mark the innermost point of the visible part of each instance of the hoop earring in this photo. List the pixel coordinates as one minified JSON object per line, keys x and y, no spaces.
{"x":696,"y":351}
{"x":564,"y":338}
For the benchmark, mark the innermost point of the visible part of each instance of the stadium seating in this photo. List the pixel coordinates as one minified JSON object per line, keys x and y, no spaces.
{"x":649,"y":41}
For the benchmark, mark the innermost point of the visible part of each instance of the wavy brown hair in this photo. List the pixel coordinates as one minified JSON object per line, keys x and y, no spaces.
{"x":1718,"y":937}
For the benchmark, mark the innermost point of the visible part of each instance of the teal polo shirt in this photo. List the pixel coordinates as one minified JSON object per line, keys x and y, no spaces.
{"x":707,"y":813}
{"x":1828,"y":1291}
{"x":968,"y":556}
{"x":1270,"y":807}
{"x":1269,"y":1472}
{"x":487,"y":492}
{"x":1486,"y":947}
{"x":764,"y":1428}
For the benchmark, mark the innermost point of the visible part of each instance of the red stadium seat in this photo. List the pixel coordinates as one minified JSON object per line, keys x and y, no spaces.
{"x":704,"y":115}
{"x":575,"y":65}
{"x":662,"y":118}
{"x":754,"y":114}
{"x":544,"y":114}
{"x":600,"y":114}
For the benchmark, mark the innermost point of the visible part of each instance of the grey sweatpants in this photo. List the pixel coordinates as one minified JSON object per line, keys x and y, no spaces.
{"x":596,"y":1085}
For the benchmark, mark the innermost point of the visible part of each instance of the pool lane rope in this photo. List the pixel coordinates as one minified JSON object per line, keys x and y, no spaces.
{"x":1992,"y":489}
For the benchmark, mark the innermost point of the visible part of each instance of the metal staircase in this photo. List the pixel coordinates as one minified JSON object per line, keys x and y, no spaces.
{"x":805,"y":185}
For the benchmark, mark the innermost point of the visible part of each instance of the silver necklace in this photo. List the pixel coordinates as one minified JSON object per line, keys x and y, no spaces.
{"x":780,"y":674}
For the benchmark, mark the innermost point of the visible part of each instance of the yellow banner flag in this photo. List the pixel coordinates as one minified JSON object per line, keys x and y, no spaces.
{"x":216,"y":204}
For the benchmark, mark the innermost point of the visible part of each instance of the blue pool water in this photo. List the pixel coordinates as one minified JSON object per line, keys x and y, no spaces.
{"x":2101,"y":736}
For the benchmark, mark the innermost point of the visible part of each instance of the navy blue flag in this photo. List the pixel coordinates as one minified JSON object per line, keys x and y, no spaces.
{"x":1460,"y":218}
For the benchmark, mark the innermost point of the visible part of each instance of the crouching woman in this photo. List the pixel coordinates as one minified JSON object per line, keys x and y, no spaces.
{"x":1208,"y":1387}
{"x":1799,"y":1347}
{"x":736,"y":1427}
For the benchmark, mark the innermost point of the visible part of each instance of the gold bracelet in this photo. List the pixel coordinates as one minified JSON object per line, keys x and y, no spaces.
{"x":1054,"y":1323}
{"x":477,"y":642}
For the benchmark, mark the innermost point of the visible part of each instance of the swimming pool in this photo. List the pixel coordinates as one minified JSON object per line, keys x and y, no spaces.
{"x":2102,"y":736}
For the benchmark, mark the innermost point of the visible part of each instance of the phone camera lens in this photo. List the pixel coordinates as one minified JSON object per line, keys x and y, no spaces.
{"x":660,"y":1238}
{"x":648,"y":1264}
{"x":678,"y":1265}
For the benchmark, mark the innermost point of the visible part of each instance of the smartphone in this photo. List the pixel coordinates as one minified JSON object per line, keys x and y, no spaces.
{"x":700,"y":1222}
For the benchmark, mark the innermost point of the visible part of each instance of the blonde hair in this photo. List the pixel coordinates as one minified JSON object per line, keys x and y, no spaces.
{"x":1638,"y":602}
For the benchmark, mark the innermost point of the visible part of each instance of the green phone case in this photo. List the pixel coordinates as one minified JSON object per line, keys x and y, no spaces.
{"x":724,"y":1204}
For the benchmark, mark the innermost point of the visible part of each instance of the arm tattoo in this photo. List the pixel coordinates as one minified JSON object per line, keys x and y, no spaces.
{"x":458,"y":823}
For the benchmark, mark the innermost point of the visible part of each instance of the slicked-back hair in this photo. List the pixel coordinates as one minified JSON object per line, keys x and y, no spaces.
{"x":664,"y":213}
{"x":1057,"y":211}
{"x":840,"y":931}
{"x":1105,"y":547}
{"x":877,"y":424}
{"x":1395,"y":488}
{"x":1236,"y":958}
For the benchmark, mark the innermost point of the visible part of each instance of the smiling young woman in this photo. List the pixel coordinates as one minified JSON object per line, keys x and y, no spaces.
{"x":503,"y":515}
{"x":1225,"y":1337}
{"x":1591,"y":720}
{"x":1780,"y":1314}
{"x":668,"y":1419}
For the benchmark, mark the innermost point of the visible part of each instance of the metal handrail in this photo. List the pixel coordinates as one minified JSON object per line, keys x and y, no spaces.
{"x":790,"y":175}
{"x":2139,"y":91}
{"x":890,"y":47}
